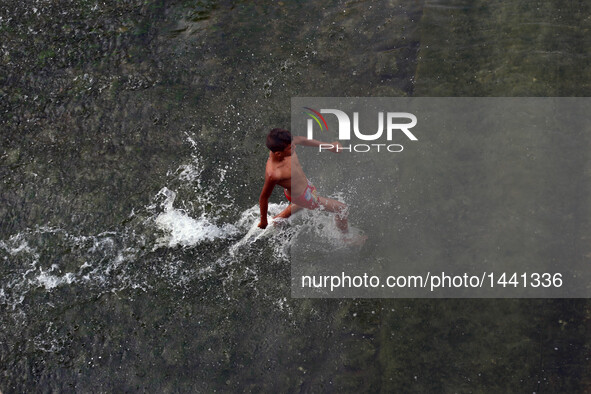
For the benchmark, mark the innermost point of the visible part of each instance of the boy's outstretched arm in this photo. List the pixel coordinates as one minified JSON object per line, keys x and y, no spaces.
{"x":264,"y":199}
{"x":299,"y":140}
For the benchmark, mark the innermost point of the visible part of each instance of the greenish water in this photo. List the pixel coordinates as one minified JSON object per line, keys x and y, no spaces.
{"x":131,"y":163}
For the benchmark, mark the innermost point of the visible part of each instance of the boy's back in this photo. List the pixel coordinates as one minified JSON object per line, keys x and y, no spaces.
{"x":286,"y":172}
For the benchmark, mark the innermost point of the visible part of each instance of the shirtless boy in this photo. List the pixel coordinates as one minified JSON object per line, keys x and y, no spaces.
{"x":284,"y":169}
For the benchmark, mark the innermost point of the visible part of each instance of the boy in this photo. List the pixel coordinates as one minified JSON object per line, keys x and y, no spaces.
{"x":284,"y":169}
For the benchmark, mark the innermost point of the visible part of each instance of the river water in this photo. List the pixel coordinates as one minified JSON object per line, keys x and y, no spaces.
{"x":132,"y":136}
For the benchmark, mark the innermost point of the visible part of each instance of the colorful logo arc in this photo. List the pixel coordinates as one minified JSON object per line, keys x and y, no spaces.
{"x":315,"y":116}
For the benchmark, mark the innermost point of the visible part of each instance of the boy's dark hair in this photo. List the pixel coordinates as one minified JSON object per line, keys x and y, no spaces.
{"x":278,"y":140}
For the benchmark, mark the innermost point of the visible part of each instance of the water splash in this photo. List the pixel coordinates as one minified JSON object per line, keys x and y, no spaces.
{"x":183,"y":230}
{"x":249,"y":222}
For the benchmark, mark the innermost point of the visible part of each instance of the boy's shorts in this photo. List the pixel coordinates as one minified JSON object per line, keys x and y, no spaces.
{"x":308,"y":199}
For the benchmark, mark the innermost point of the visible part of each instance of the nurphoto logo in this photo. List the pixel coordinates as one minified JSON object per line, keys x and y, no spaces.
{"x":395,"y":122}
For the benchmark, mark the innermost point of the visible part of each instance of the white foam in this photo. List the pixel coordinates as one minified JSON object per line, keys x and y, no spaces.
{"x":250,"y":220}
{"x":51,"y":281}
{"x":183,"y":230}
{"x":324,"y":228}
{"x":189,"y":172}
{"x":16,"y":244}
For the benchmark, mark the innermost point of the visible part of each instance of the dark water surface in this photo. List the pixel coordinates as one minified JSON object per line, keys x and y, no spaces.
{"x":131,"y":162}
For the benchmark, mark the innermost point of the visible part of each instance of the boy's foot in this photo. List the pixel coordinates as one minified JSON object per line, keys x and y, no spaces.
{"x":279,"y":222}
{"x":354,"y":240}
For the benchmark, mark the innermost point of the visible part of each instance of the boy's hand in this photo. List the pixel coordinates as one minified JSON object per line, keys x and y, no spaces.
{"x":263,"y":224}
{"x":336,"y":147}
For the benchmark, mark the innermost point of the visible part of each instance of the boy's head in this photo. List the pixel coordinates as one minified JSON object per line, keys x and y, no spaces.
{"x":278,"y":140}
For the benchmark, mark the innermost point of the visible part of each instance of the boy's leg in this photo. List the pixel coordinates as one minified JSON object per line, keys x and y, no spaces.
{"x":340,"y":209}
{"x":291,"y":208}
